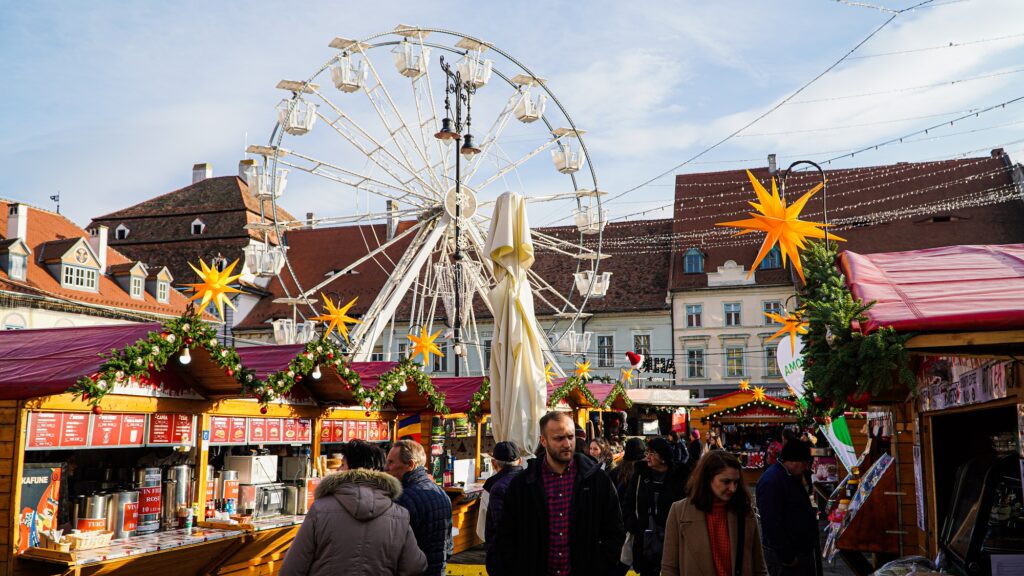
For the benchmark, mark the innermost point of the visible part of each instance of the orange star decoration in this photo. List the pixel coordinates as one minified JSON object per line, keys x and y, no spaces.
{"x":549,"y":373}
{"x":781,"y":223}
{"x":337,"y":316}
{"x":627,"y":376}
{"x":583,"y":370}
{"x":744,"y":384}
{"x":759,"y":393}
{"x":792,"y":324}
{"x":791,"y":391}
{"x":214,"y":286}
{"x":424,"y":345}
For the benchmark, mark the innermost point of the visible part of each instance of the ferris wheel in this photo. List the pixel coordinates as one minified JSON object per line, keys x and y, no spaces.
{"x":380,"y":128}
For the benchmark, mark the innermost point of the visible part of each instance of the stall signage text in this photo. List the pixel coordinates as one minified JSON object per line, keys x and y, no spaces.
{"x":946,"y":383}
{"x":65,"y":430}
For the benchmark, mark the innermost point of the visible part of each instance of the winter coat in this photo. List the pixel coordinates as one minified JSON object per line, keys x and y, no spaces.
{"x":639,"y":502}
{"x":354,"y":528}
{"x":788,"y":522}
{"x":680,"y":452}
{"x":430,"y":513}
{"x":696,"y":450}
{"x":687,"y":549}
{"x":496,"y":487}
{"x":595,"y":524}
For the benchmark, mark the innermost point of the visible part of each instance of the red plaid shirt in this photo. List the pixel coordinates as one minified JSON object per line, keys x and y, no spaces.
{"x":558,"y":489}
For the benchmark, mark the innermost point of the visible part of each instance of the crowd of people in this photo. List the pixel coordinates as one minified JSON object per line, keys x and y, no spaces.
{"x":670,"y":506}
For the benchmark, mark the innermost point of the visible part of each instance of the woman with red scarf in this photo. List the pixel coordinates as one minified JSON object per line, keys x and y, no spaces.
{"x":713,"y":531}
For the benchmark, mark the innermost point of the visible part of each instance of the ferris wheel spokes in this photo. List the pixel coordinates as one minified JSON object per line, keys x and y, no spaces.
{"x":423,"y":95}
{"x":517,"y":163}
{"x":363,"y":182}
{"x":492,"y":135}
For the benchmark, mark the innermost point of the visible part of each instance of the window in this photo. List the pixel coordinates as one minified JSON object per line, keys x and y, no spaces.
{"x":18,"y":264}
{"x":642,"y":344}
{"x":772,"y":260}
{"x":403,"y":349}
{"x":14,"y":322}
{"x":693,"y":312}
{"x":378,"y":354}
{"x":137,"y":284}
{"x":440,"y":363}
{"x":732,"y":314}
{"x":198,"y":227}
{"x":121,"y":232}
{"x":487,"y":353}
{"x":605,"y":351}
{"x":771,"y":365}
{"x":79,"y":278}
{"x":772,"y":307}
{"x":693,"y":261}
{"x":163,"y":291}
{"x":695,"y":363}
{"x":734,"y":362}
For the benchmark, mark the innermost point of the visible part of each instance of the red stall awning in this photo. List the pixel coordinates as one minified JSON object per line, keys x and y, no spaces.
{"x":953,"y":288}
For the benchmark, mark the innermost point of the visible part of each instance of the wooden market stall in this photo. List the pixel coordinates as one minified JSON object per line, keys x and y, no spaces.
{"x":745,"y":422}
{"x":954,"y":481}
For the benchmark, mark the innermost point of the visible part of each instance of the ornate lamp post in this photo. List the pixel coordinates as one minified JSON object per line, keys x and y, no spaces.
{"x":452,"y":131}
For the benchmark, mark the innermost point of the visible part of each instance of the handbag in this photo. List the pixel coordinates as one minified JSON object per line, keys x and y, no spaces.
{"x":626,"y":556}
{"x":654,"y":542}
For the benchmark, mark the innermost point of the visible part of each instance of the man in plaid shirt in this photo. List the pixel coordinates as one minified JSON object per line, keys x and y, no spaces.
{"x":561,"y":515}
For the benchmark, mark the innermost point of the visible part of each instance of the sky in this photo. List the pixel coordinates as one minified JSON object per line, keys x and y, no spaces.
{"x":111,"y":103}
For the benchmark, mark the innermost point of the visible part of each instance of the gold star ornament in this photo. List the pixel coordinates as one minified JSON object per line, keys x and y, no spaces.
{"x":424,"y":345}
{"x":744,"y":384}
{"x":337,"y":317}
{"x":792,"y":324}
{"x":627,"y":376}
{"x":759,"y":393}
{"x":214,"y":286}
{"x":549,"y":373}
{"x":582,"y":370}
{"x":780,"y":223}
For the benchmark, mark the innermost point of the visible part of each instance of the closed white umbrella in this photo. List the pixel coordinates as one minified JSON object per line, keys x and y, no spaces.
{"x":518,"y":388}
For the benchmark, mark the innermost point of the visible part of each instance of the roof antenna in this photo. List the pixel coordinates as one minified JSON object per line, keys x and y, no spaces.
{"x":56,"y":198}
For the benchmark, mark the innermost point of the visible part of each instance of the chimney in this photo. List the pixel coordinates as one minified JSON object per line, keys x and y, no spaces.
{"x":98,"y":242}
{"x":392,"y":219}
{"x":309,"y":219}
{"x":244,"y":166}
{"x":17,"y":221}
{"x":201,"y":172}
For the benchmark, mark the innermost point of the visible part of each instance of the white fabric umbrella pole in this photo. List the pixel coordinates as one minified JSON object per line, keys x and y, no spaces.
{"x":518,"y":388}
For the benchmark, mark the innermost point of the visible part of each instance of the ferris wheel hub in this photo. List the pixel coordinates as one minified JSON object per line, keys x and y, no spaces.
{"x":467,"y":199}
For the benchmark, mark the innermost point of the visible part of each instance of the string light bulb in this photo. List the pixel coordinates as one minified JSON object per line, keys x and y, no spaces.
{"x":316,"y":372}
{"x":185,"y":358}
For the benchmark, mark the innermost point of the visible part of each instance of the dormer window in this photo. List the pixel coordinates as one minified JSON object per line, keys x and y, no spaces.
{"x":198,"y":227}
{"x":693,"y":261}
{"x":79,"y":278}
{"x":17,"y":267}
{"x":163,"y":291}
{"x":138,"y":285}
{"x":772,"y":260}
{"x":121,"y":232}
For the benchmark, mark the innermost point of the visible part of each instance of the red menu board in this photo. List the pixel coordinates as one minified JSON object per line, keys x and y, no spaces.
{"x":170,"y":429}
{"x":326,"y":431}
{"x":291,"y":430}
{"x":149,"y":500}
{"x":75,"y":430}
{"x":133,"y":429}
{"x":230,"y":489}
{"x":106,"y":430}
{"x":274,"y":430}
{"x":44,"y":430}
{"x":183,"y":432}
{"x":305,"y":430}
{"x":350,"y":431}
{"x":219,"y":429}
{"x":338,"y":434}
{"x":257,"y":430}
{"x":237,"y":430}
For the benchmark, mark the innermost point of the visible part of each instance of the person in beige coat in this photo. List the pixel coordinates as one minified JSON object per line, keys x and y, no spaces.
{"x":701,"y":533}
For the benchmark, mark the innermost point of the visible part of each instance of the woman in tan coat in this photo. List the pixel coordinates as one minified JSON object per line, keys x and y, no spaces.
{"x":702,"y":535}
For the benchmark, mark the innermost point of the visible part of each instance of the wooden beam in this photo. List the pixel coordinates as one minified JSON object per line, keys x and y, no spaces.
{"x":956,"y":339}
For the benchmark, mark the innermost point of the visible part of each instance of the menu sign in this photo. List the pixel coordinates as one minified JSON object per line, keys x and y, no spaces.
{"x":44,"y":429}
{"x":237,"y":430}
{"x":67,"y":430}
{"x":133,"y":429}
{"x":241,"y":430}
{"x":75,"y":430}
{"x":257,"y":430}
{"x":173,"y":429}
{"x":273,"y":430}
{"x":219,"y":429}
{"x":337,"y":431}
{"x":149,"y":500}
{"x":106,"y":430}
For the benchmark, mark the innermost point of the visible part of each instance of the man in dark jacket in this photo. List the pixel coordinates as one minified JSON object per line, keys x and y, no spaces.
{"x":789,"y":531}
{"x":430,"y":509}
{"x":658,"y":482}
{"x":561,"y":515}
{"x":504,"y":459}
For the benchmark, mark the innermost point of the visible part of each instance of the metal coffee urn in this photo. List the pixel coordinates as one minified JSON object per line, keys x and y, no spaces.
{"x":148,"y":481}
{"x":168,"y":509}
{"x":91,"y":512}
{"x":123,"y":513}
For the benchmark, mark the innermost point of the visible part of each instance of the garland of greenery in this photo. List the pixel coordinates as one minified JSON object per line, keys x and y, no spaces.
{"x":407,"y":373}
{"x":572,"y":383}
{"x":842,"y":366}
{"x":752,"y":404}
{"x":316,"y":353}
{"x":476,"y":404}
{"x":153,"y":352}
{"x":617,"y":390}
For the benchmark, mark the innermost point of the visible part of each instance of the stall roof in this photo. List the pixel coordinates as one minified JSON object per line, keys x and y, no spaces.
{"x":662,"y":397}
{"x":953,"y":288}
{"x":36,"y":363}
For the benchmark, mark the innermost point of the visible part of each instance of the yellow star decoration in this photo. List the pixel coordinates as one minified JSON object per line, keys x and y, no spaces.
{"x":549,"y":373}
{"x":781,"y":223}
{"x":792,"y":324}
{"x":744,"y":384}
{"x":337,"y":316}
{"x":791,"y":391}
{"x":583,"y":370}
{"x":759,"y":393}
{"x":214,"y":286}
{"x":424,"y":345}
{"x":627,"y":376}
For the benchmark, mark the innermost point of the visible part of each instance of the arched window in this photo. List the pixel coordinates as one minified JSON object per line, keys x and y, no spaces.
{"x":773,"y":259}
{"x":693,"y":261}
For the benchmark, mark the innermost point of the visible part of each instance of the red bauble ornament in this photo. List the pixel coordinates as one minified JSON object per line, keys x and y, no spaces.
{"x":231,"y":372}
{"x":150,"y":365}
{"x":298,"y":377}
{"x":85,"y":395}
{"x":367,"y":412}
{"x":97,"y":410}
{"x":188,"y":340}
{"x":263,"y":409}
{"x":330,"y":355}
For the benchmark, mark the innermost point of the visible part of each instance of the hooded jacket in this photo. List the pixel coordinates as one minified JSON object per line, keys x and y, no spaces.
{"x":355,"y":528}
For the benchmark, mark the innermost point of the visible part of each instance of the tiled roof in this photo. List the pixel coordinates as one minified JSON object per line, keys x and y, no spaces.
{"x":855,"y":197}
{"x":42,"y":228}
{"x":124,"y":268}
{"x":54,"y":248}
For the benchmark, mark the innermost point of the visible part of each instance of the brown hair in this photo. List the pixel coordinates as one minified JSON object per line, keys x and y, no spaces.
{"x":553,"y":416}
{"x":699,"y":488}
{"x":606,"y":450}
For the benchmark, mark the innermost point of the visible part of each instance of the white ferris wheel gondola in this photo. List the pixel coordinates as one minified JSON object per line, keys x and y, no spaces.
{"x":528,"y":109}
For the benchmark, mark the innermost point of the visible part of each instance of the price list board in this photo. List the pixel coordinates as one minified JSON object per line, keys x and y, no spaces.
{"x":337,"y":431}
{"x":236,"y":430}
{"x":71,"y":430}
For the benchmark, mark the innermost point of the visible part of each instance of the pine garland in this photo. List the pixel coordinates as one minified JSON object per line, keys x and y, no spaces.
{"x":572,"y":383}
{"x":843,"y":373}
{"x":390,"y":383}
{"x":617,"y":390}
{"x":476,"y":404}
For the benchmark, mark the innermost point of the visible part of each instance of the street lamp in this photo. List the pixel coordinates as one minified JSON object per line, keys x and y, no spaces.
{"x":824,"y":185}
{"x":452,"y":131}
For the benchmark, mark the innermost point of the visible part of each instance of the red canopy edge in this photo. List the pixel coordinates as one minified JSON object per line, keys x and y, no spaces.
{"x":952,"y":288}
{"x":458,"y":392}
